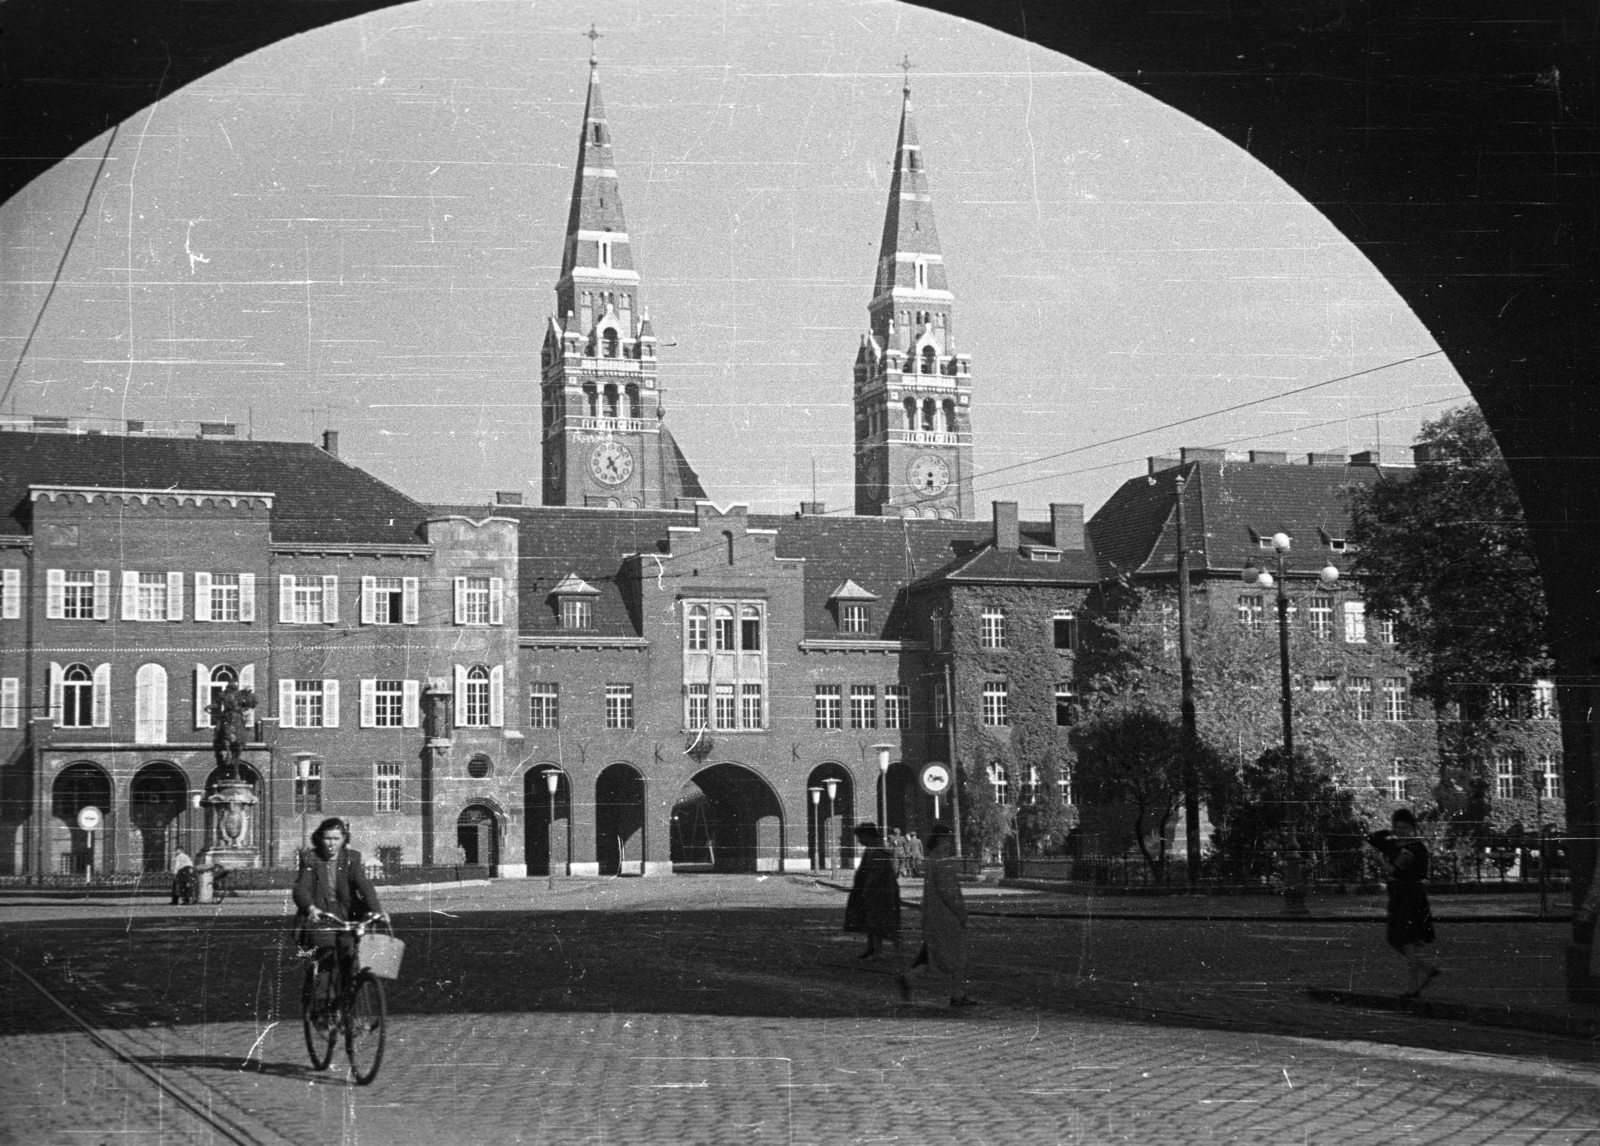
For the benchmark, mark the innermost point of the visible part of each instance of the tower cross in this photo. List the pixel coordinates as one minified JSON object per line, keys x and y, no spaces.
{"x":592,"y":35}
{"x":905,"y":66}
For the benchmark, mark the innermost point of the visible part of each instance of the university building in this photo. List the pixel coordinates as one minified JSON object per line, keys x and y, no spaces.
{"x":630,"y":677}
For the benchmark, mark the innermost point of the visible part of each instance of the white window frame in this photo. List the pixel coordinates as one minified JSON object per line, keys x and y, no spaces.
{"x":752,"y":705}
{"x":863,"y":706}
{"x":10,"y":597}
{"x":852,"y":617}
{"x":299,"y":596}
{"x":1066,"y":705}
{"x":402,"y":590}
{"x":577,"y":613}
{"x":480,"y":601}
{"x":1360,"y":687}
{"x":10,"y":702}
{"x":544,"y":704}
{"x":992,"y":628}
{"x":619,"y":705}
{"x":1396,"y":698}
{"x":1069,"y":618}
{"x":388,"y":779}
{"x":996,"y":703}
{"x":1355,"y":622}
{"x":724,"y":707}
{"x":696,"y":706}
{"x":150,"y":704}
{"x":829,"y":707}
{"x":1319,"y":614}
{"x":383,"y":707}
{"x":896,"y":706}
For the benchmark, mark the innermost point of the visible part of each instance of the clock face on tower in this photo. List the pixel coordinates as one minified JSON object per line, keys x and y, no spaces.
{"x":928,"y":474}
{"x":611,"y":463}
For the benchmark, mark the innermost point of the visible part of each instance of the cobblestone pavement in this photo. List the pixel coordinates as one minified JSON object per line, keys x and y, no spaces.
{"x":721,"y":1010}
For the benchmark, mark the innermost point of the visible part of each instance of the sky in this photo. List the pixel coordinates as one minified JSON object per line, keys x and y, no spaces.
{"x":360,"y":229}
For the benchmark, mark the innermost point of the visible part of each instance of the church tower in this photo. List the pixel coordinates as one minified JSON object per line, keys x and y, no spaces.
{"x":913,"y":391}
{"x":605,"y":443}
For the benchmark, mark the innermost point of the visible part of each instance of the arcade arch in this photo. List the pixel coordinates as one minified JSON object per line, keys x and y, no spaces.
{"x":727,"y":818}
{"x":830,"y":811}
{"x":78,"y":786}
{"x":547,"y":821}
{"x":157,"y":799}
{"x":619,"y":820}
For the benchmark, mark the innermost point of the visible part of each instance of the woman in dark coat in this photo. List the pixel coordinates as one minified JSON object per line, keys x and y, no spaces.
{"x":332,"y":882}
{"x":874,"y":903}
{"x":1410,"y":923}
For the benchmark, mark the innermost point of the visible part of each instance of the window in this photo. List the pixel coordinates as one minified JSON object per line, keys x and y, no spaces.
{"x":1549,"y":775}
{"x":993,"y":632}
{"x":150,"y":705}
{"x":1066,"y":705}
{"x":829,"y":708}
{"x":753,"y":713}
{"x":150,"y":599}
{"x":475,"y":712}
{"x":1383,"y":629}
{"x":1066,"y":630}
{"x":996,"y":698}
{"x":1065,"y":784}
{"x":697,"y":702}
{"x":544,"y":705}
{"x":619,"y":706}
{"x":1544,"y":700}
{"x":481,"y":601}
{"x":1399,"y":789}
{"x":217,"y":596}
{"x":1030,"y":785}
{"x":77,"y":595}
{"x":852,"y":617}
{"x":1508,"y":776}
{"x":1355,"y":622}
{"x":1321,"y":615}
{"x":388,"y":787}
{"x":308,"y":702}
{"x":388,"y":600}
{"x":1360,"y":688}
{"x":576,"y":613}
{"x":10,"y":701}
{"x":695,"y":633}
{"x":77,"y":697}
{"x":211,"y":683}
{"x":388,"y":703}
{"x":308,"y":600}
{"x":1396,"y":698}
{"x":750,"y":629}
{"x":479,"y":766}
{"x":726,"y":711}
{"x":723,"y":628}
{"x":863,"y":706}
{"x":11,"y":594}
{"x":1000,"y":782}
{"x":308,"y":785}
{"x":896,"y":705}
{"x":1252,"y":614}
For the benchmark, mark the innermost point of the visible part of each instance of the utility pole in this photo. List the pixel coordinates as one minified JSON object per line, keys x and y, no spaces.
{"x":1191,"y":777}
{"x":950,"y":740}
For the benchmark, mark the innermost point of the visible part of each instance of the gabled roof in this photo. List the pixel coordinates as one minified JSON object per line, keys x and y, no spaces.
{"x":318,"y":498}
{"x":988,"y":565}
{"x":1228,"y":505}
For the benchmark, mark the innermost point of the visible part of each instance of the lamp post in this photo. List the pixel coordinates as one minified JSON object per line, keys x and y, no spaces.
{"x":1294,"y":888}
{"x":552,"y":780}
{"x":832,"y":785}
{"x":816,"y":827}
{"x":883,"y":751}
{"x":302,"y":791}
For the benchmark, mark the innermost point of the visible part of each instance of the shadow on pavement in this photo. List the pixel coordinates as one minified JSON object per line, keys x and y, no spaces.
{"x":238,"y":1065}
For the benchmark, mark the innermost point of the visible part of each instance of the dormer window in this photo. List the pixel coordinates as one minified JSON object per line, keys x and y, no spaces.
{"x":609,"y":345}
{"x":929,"y":361}
{"x":1339,"y":545}
{"x":575,"y":599}
{"x":852,"y":617}
{"x":852,"y":608}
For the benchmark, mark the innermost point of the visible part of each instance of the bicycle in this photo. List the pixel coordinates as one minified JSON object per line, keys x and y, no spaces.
{"x":330,"y":1004}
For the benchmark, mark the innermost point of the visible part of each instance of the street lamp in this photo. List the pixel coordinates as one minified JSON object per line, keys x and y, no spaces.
{"x":302,"y":790}
{"x":816,"y":827}
{"x":832,"y":785}
{"x":552,"y":780}
{"x":1294,"y":888}
{"x":883,"y":751}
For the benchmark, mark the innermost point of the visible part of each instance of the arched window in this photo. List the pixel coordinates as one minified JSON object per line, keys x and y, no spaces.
{"x":1000,"y":782}
{"x":591,"y":399}
{"x":723,"y":629}
{"x":1030,"y":786}
{"x":150,"y":705}
{"x":911,"y":413}
{"x":929,"y":362}
{"x":610,"y":342}
{"x":611,"y":389}
{"x":750,"y":629}
{"x":633,"y":401}
{"x":949,"y":417}
{"x":476,"y":714}
{"x":928,"y":413}
{"x":221,"y":677}
{"x":77,"y":697}
{"x":695,"y":635}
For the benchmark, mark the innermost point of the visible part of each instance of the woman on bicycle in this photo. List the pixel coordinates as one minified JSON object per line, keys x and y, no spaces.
{"x":332,"y":882}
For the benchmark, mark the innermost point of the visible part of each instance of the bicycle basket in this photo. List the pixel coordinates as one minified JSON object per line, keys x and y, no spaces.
{"x":380,"y":954}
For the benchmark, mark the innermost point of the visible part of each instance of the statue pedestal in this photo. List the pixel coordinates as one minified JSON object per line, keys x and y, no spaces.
{"x":233,"y":801}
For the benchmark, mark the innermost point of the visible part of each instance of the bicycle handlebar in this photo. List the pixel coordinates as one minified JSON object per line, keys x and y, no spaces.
{"x":359,"y":928}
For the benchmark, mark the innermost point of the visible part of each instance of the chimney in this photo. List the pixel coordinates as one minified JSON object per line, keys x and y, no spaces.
{"x":1066,"y":526}
{"x":216,"y":429}
{"x":1325,"y":459}
{"x":508,"y":497}
{"x":1006,"y":537}
{"x":813,"y":508}
{"x":1422,"y":454}
{"x":1366,"y":458}
{"x":1269,"y":457}
{"x":330,"y":442}
{"x":1195,"y":454}
{"x":1158,"y":464}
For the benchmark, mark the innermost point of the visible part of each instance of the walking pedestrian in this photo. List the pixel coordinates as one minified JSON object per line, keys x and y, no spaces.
{"x":944,"y":919}
{"x":874,"y":904}
{"x":898,"y":844}
{"x":1410,"y":920}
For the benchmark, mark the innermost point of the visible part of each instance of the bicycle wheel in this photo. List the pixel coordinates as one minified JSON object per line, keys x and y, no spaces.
{"x":363,"y":1028}
{"x":316,"y":1016}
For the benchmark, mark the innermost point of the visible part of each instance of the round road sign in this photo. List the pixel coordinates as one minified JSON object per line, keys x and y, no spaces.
{"x":935,"y":779}
{"x":89,"y":818}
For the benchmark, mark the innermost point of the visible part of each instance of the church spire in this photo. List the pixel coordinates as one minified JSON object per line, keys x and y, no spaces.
{"x":913,"y":391}
{"x":597,"y":249}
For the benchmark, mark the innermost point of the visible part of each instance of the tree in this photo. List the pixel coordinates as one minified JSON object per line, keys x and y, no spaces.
{"x":1132,"y":758}
{"x":1253,"y":808}
{"x":1445,"y":554}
